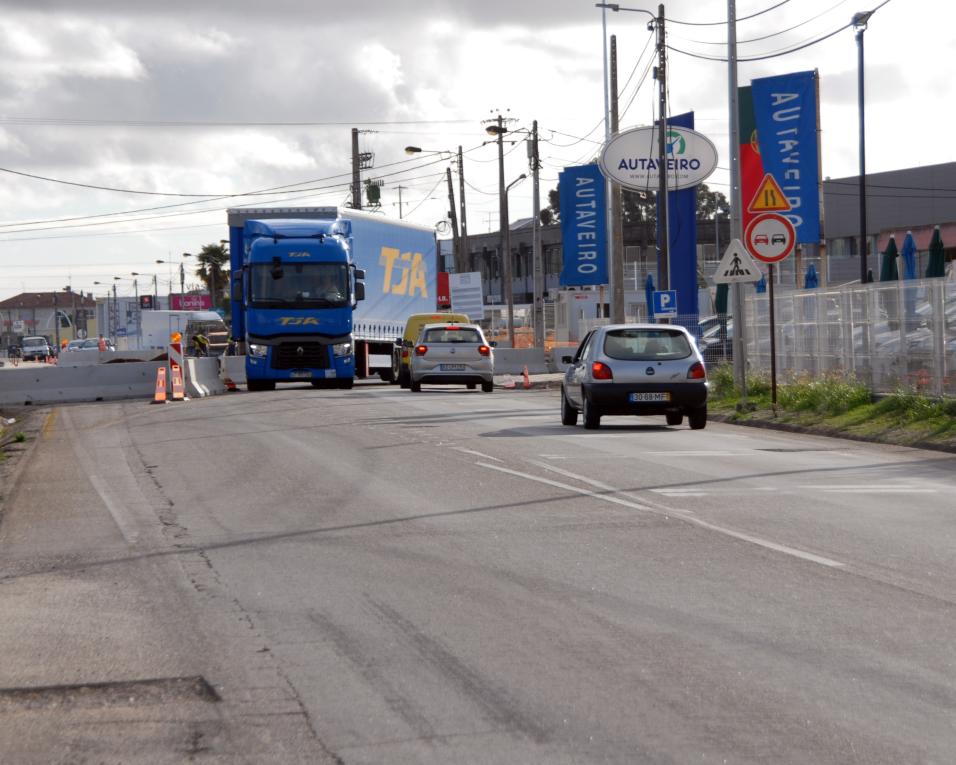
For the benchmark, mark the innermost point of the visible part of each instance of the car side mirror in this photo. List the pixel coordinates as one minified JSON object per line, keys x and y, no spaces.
{"x":567,"y":360}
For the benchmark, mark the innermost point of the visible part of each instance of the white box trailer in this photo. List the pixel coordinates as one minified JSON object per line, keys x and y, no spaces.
{"x":157,"y":326}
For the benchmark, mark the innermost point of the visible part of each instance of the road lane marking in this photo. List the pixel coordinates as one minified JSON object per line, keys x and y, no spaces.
{"x":681,"y":515}
{"x":463,"y":450}
{"x":47,"y":431}
{"x":120,"y":517}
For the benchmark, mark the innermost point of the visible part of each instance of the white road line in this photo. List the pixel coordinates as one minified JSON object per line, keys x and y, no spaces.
{"x":463,"y":450}
{"x":121,"y":518}
{"x":791,"y":551}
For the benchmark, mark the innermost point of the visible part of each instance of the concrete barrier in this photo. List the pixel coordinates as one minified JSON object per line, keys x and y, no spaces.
{"x":234,"y":368}
{"x":512,"y":361}
{"x":202,"y":377}
{"x":99,"y":382}
{"x":90,"y":356}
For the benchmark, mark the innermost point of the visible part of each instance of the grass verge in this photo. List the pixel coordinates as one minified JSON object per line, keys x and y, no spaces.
{"x":837,"y":406}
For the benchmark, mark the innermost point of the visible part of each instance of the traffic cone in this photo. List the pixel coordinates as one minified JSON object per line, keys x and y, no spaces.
{"x":179,"y":393}
{"x":526,"y":378}
{"x":230,"y":385}
{"x":160,"y":396}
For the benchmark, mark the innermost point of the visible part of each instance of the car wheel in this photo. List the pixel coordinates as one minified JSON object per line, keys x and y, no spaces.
{"x":487,"y":386}
{"x":591,"y":414}
{"x":697,"y":419}
{"x":471,"y":386}
{"x":569,"y":415}
{"x":674,"y":418}
{"x":415,"y":386}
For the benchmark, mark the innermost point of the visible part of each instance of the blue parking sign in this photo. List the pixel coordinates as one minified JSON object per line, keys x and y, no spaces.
{"x":665,"y":303}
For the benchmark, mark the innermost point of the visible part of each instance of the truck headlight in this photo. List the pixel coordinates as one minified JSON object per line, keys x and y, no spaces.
{"x":259,"y":351}
{"x":342,"y":349}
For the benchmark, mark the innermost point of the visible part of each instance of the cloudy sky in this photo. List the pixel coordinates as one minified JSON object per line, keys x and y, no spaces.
{"x":191,"y":103}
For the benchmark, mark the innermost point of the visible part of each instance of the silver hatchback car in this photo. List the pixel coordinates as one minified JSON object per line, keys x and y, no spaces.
{"x":452,"y":354}
{"x":640,"y":369}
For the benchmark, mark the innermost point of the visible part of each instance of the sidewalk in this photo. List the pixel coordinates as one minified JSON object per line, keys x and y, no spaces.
{"x":547,"y":381}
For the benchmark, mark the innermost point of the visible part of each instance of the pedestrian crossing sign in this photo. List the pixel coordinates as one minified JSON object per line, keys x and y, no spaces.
{"x":736,"y":266}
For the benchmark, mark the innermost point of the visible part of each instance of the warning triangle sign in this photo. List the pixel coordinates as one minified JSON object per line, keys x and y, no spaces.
{"x":737,"y":265}
{"x":769,"y":197}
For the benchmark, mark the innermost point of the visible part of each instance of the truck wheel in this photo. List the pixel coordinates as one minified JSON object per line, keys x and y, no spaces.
{"x":386,"y":376}
{"x":346,"y":383}
{"x":415,"y":386}
{"x":254,"y":386}
{"x":403,"y":380}
{"x":396,"y":371}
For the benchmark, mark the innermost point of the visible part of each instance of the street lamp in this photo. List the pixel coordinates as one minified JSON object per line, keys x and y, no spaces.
{"x":112,"y":317}
{"x":182,"y":276}
{"x":860,"y":21}
{"x":509,"y":292}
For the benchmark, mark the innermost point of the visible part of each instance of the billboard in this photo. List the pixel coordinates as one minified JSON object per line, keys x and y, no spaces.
{"x":632,"y":158}
{"x":583,"y":193}
{"x":188,"y":302}
{"x":778,"y":122}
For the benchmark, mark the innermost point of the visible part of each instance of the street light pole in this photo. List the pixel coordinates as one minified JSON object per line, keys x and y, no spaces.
{"x":859,"y":22}
{"x":537,"y":267}
{"x":509,"y":291}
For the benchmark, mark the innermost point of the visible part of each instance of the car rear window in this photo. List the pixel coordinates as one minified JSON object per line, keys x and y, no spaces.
{"x":456,"y":335}
{"x":646,"y":344}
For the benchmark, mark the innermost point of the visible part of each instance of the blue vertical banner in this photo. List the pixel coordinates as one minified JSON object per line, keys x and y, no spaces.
{"x":583,"y":200}
{"x":682,"y":242}
{"x":785,"y":108}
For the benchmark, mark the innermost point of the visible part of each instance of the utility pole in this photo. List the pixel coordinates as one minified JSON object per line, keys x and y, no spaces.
{"x":400,"y":187}
{"x":663,"y":256}
{"x":155,"y":291}
{"x":463,"y":239}
{"x":503,"y":238}
{"x":115,"y":314}
{"x":736,"y":225}
{"x":139,"y":314}
{"x":356,"y":179}
{"x":860,"y":22}
{"x":455,"y":239}
{"x":56,"y":322}
{"x":182,"y":282}
{"x":537,"y":267}
{"x":617,"y":229}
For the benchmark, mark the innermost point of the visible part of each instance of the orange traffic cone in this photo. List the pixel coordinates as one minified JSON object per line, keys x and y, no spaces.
{"x":230,"y":385}
{"x":160,"y":396}
{"x":527,"y":379}
{"x":179,"y":393}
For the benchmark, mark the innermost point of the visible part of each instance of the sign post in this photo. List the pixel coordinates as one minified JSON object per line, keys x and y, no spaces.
{"x":770,"y":237}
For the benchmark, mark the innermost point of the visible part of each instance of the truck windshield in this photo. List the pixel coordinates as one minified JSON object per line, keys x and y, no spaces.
{"x":301,"y":285}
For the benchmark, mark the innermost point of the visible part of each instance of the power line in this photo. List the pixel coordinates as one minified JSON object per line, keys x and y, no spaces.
{"x":772,"y":34}
{"x":777,"y":54}
{"x":78,"y":122}
{"x":719,"y":23}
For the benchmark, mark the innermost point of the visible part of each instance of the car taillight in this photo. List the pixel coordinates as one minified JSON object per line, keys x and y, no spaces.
{"x":484,"y":350}
{"x":601,"y":371}
{"x":697,"y":372}
{"x":421,"y":350}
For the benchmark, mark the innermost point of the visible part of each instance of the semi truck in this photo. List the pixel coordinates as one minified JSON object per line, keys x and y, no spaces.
{"x":320,"y":294}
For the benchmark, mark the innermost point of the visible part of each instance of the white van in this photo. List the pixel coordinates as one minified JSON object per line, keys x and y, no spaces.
{"x":157,"y":326}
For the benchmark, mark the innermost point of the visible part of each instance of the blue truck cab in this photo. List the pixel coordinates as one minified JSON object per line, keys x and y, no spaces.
{"x":296,"y":289}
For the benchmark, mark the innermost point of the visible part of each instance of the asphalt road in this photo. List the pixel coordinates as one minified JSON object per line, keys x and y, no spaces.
{"x":376,"y":576}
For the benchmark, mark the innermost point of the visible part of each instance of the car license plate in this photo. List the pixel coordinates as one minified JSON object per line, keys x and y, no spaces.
{"x":452,"y":367}
{"x":301,"y":373}
{"x":636,"y":397}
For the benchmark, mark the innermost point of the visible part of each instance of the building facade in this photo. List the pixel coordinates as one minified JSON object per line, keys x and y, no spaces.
{"x":32,"y":313}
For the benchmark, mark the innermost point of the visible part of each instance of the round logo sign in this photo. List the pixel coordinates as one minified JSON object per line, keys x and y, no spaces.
{"x":770,"y":237}
{"x":632,"y":158}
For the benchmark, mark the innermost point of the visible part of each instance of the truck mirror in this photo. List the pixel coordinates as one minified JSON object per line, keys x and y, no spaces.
{"x":359,"y":291}
{"x":359,"y":273}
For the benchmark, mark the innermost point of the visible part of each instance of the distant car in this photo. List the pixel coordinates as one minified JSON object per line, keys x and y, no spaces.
{"x":95,"y":343}
{"x":778,"y":239}
{"x":73,"y":345}
{"x":402,"y":353}
{"x":761,"y":239}
{"x":36,"y":348}
{"x":635,"y":369}
{"x":452,"y":354}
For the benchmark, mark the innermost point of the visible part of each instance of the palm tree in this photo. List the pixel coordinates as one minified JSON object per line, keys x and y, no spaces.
{"x":210,"y":260}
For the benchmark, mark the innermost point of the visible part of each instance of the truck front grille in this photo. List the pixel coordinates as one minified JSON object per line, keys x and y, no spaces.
{"x":300,"y":356}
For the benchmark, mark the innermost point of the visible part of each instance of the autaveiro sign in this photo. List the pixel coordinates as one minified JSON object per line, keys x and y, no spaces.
{"x":632,"y":158}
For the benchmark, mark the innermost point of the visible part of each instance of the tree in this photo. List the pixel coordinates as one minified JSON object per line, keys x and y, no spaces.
{"x":710,"y":201}
{"x":553,"y":211}
{"x":210,"y":260}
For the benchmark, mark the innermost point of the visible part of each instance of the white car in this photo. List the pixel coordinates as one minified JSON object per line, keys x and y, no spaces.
{"x":452,"y":354}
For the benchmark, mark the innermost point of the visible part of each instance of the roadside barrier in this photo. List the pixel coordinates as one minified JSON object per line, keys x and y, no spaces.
{"x":160,"y":396}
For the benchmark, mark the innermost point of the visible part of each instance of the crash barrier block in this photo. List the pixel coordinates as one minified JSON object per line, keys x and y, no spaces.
{"x":512,"y":361}
{"x":89,"y":356}
{"x":55,"y":384}
{"x":202,"y":377}
{"x":233,"y":368}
